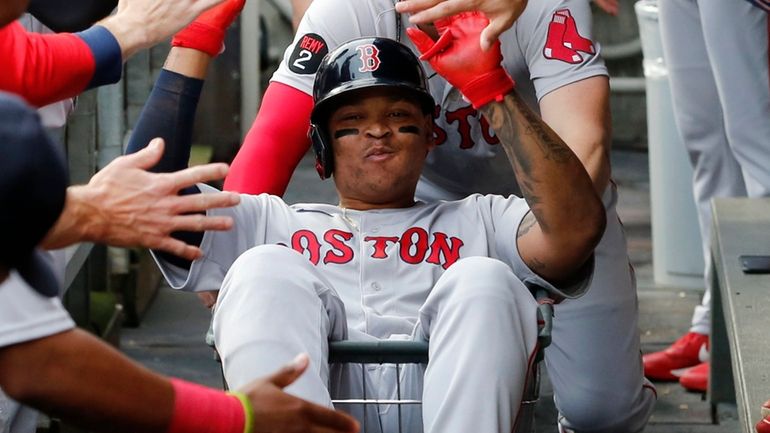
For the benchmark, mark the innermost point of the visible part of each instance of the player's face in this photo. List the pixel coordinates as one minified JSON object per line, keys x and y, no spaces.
{"x":380,"y":139}
{"x":11,"y":9}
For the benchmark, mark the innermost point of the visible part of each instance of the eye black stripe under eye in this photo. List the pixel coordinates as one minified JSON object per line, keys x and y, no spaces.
{"x":343,"y":132}
{"x":409,"y":129}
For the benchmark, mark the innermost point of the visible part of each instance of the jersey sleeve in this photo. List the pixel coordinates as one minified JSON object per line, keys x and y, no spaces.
{"x":504,"y":215}
{"x":26,"y":315}
{"x":221,"y":248}
{"x":555,"y":37}
{"x":51,"y":67}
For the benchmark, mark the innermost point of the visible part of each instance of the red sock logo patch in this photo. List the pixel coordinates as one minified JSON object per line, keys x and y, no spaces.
{"x":564,"y":41}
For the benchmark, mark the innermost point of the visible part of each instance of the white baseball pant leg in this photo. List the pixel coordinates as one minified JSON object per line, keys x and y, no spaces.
{"x":274,"y":305}
{"x":594,"y":360}
{"x":481,"y":322}
{"x":716,"y":52}
{"x":480,"y":319}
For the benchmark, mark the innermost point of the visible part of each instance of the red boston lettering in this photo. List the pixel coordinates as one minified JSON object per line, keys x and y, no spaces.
{"x":340,"y":252}
{"x":311,"y":244}
{"x":413,"y":250}
{"x":440,"y":247}
{"x":380,"y":243}
{"x":461,"y":116}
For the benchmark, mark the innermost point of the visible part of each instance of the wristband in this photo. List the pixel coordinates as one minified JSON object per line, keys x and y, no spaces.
{"x":248,"y":410}
{"x":198,"y":409}
{"x":200,"y":37}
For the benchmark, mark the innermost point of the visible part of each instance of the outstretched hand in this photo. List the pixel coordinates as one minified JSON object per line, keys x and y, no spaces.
{"x":501,"y":13}
{"x":140,"y":24}
{"x":207,"y":32}
{"x":277,"y":411}
{"x":456,"y":55}
{"x":125,"y":205}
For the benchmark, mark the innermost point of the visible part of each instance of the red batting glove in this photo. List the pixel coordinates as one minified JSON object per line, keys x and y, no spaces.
{"x":207,"y":32}
{"x":458,"y":57}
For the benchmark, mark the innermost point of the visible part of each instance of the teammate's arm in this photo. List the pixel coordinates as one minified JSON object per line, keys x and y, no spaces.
{"x":501,"y":13}
{"x":275,"y":143}
{"x":125,"y":205}
{"x":579,"y":113}
{"x":47,"y":68}
{"x":568,"y":218}
{"x":85,"y":382}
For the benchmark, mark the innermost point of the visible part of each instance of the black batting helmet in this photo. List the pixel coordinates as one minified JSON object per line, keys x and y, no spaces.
{"x":359,"y":64}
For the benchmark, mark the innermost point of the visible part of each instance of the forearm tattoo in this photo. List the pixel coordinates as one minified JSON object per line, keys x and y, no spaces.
{"x":535,"y":151}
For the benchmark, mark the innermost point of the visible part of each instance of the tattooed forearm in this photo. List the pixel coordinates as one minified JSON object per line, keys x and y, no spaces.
{"x":552,"y":146}
{"x":502,"y":120}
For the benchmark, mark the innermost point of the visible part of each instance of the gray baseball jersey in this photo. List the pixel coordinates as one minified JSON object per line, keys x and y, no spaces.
{"x":534,"y":54}
{"x":716,"y":53}
{"x":383,"y":263}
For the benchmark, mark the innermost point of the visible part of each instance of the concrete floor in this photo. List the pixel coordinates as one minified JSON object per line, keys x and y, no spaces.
{"x":170,"y":338}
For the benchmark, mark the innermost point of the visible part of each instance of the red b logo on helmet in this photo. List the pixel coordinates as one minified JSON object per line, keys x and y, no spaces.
{"x":369,"y":57}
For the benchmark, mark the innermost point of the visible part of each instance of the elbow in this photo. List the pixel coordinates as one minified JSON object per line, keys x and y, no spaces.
{"x":18,"y":381}
{"x":594,"y":222}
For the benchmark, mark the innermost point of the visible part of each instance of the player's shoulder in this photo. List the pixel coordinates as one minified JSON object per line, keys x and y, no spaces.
{"x":541,"y":12}
{"x":550,"y":6}
{"x":478,"y":201}
{"x":339,"y":13}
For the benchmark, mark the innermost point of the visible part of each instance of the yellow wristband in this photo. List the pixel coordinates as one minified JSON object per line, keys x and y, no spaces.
{"x":248,"y":411}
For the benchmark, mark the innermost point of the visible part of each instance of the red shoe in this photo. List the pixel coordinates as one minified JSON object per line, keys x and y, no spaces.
{"x":697,"y":378}
{"x":669,"y":364}
{"x":763,"y":426}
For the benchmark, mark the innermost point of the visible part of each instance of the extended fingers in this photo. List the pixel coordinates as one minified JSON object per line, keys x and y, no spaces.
{"x":326,"y":420}
{"x":198,"y":174}
{"x":202,"y":5}
{"x":143,"y":159}
{"x":177,"y":248}
{"x":202,"y":202}
{"x":428,"y":11}
{"x":492,"y":32}
{"x":199,"y":223}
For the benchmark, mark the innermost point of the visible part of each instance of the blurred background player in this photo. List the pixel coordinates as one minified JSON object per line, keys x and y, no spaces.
{"x":721,"y":98}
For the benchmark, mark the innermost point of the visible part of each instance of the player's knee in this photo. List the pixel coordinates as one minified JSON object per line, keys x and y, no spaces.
{"x":606,"y":415}
{"x":266,"y":268}
{"x":479,"y":276}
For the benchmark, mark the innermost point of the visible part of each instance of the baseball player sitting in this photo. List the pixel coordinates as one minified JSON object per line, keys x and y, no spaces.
{"x":381,"y":265}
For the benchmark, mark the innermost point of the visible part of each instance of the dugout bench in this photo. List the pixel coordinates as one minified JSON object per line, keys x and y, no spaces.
{"x":740,"y":347}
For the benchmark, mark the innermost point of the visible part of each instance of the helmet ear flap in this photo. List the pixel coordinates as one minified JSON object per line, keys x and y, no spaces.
{"x":324,"y":156}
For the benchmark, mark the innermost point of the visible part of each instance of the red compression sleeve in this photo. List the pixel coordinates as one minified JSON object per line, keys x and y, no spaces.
{"x":274,"y":145}
{"x":44,"y":68}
